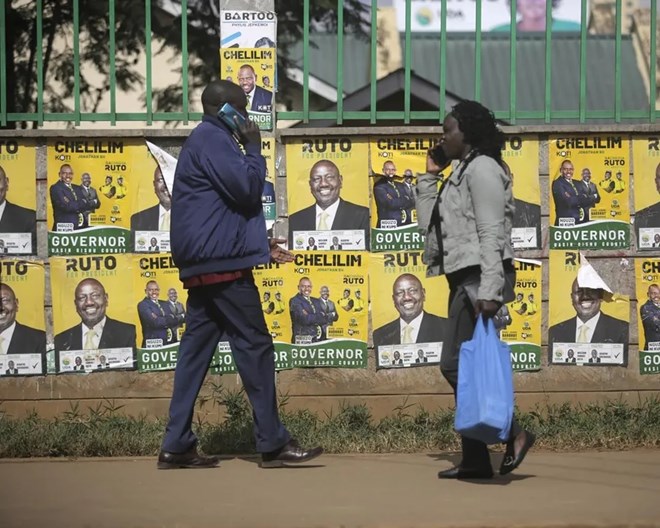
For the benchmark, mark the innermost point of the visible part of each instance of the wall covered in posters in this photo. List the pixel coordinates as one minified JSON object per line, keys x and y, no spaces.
{"x":18,"y":197}
{"x":328,"y":194}
{"x":589,"y":192}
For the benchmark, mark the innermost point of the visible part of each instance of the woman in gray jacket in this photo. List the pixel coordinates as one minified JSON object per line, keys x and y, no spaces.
{"x":468,"y":239}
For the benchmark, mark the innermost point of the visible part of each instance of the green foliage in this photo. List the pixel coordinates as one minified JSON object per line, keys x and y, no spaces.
{"x":103,"y":431}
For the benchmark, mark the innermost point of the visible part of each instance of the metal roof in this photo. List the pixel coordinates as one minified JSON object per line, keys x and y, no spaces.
{"x":495,"y":70}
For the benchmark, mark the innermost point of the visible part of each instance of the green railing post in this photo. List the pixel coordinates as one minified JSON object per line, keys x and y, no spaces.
{"x":547,"y":106}
{"x":617,"y":64}
{"x":76,"y":62}
{"x":512,"y":66}
{"x":477,"y":53}
{"x":40,"y":63}
{"x":112,"y":72}
{"x":306,"y":61}
{"x":583,"y":63}
{"x":147,"y":47}
{"x":407,"y":64}
{"x":3,"y":66}
{"x":340,"y":62}
{"x":442,"y":100}
{"x":184,"y":60}
{"x":374,"y":62}
{"x":653,"y":53}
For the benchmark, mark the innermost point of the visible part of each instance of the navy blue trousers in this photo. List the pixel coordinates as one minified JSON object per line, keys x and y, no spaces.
{"x":232,"y":309}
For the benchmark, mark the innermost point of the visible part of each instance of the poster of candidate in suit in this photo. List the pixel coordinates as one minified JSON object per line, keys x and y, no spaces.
{"x":92,"y":193}
{"x":395,"y":163}
{"x":588,"y":208}
{"x":93,"y":312}
{"x":18,"y":191}
{"x":409,"y":310}
{"x":520,"y":325}
{"x":268,"y":197}
{"x":22,"y":321}
{"x":646,"y":157}
{"x":585,"y":314}
{"x":521,"y":154}
{"x":158,"y":302}
{"x":152,"y":219}
{"x":647,"y":287}
{"x":328,"y":193}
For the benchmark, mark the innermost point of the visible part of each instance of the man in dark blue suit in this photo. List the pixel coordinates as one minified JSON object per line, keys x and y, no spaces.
{"x":259,"y":99}
{"x":330,"y":212}
{"x":16,"y":338}
{"x":68,"y":202}
{"x":308,"y":318}
{"x":158,"y":322}
{"x":393,"y":201}
{"x":570,"y":203}
{"x":96,"y":331}
{"x":156,"y":218}
{"x":14,"y":218}
{"x":218,"y":235}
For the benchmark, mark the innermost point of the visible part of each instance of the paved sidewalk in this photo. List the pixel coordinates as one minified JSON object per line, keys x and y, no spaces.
{"x":587,"y":489}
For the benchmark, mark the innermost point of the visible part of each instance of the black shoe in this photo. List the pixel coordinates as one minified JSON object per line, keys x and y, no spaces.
{"x":190,"y":460}
{"x":290,"y":453}
{"x":461,"y":473}
{"x":511,"y":461}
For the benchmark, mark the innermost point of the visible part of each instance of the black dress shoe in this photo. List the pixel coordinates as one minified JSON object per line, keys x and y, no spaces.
{"x":190,"y":460}
{"x":511,"y":461}
{"x":461,"y":473}
{"x":290,"y":453}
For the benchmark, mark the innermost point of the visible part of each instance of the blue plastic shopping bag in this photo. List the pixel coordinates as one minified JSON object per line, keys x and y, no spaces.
{"x":484,"y":397}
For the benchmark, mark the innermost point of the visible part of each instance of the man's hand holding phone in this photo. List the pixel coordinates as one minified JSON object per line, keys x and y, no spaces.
{"x":248,"y":131}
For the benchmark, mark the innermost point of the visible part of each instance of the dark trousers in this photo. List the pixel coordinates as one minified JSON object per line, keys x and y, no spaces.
{"x":233,"y":309}
{"x":461,"y":325}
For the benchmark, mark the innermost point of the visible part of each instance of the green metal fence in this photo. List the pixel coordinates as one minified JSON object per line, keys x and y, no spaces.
{"x":338,"y":114}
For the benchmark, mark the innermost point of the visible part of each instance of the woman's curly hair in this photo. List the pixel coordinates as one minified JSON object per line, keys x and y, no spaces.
{"x":479,"y":129}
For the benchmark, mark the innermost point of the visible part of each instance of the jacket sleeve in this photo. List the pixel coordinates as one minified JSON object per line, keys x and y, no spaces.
{"x":488,"y":193}
{"x":240,"y":178}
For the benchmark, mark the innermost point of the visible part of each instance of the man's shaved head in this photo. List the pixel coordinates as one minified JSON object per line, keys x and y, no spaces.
{"x":218,"y":92}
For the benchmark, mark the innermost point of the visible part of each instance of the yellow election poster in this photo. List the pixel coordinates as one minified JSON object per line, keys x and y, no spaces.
{"x":584,"y":328}
{"x":150,"y":224}
{"x":253,"y":69}
{"x":589,"y":186}
{"x":328,"y":194}
{"x":158,"y":302}
{"x":93,"y":312}
{"x":93,"y":192}
{"x":519,"y":321}
{"x":22,"y":321}
{"x":395,"y":163}
{"x":646,"y":161}
{"x":408,"y":310}
{"x":18,"y":197}
{"x":647,"y":282}
{"x":326,"y":296}
{"x":268,"y":201}
{"x":522,"y":156}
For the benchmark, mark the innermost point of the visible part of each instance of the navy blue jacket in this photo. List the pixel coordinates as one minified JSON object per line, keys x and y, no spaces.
{"x":218,"y":223}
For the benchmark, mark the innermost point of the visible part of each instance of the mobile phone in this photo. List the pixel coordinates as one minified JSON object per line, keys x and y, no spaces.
{"x":438,"y":156}
{"x":227,"y":113}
